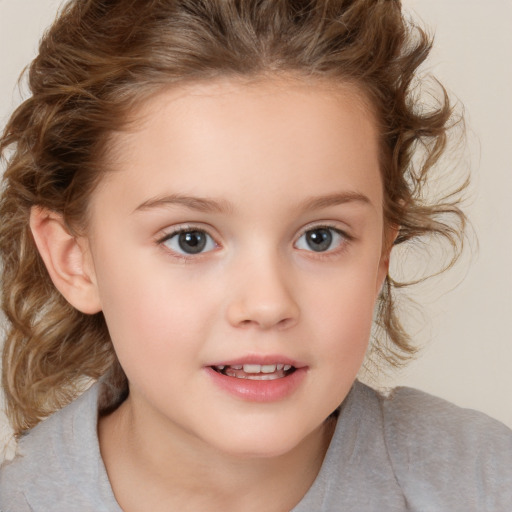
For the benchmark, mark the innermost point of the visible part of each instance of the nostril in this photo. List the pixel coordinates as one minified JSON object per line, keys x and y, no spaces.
{"x":285,"y":322}
{"x":262,"y":312}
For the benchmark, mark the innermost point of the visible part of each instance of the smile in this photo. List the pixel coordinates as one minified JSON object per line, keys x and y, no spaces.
{"x":258,"y":379}
{"x":256,"y":371}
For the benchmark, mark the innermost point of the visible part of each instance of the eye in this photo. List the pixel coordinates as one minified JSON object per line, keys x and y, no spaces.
{"x":189,"y":241}
{"x":321,"y":239}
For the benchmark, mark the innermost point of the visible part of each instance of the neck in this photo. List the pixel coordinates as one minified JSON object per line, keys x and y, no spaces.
{"x":174,"y":471}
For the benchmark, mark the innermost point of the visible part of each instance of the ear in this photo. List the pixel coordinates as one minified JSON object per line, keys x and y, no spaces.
{"x":67,"y":259}
{"x":390,"y":234}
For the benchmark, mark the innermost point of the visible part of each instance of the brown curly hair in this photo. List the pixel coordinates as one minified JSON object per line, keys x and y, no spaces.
{"x":101,"y":59}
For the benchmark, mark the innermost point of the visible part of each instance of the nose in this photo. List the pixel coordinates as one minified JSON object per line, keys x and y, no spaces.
{"x":261,"y":296}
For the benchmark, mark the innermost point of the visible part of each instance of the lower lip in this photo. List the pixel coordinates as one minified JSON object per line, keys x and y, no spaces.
{"x":259,"y":390}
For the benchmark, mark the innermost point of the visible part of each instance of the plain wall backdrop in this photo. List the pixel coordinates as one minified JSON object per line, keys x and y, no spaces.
{"x":468,"y":346}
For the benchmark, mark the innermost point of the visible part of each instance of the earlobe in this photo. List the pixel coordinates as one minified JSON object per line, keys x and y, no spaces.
{"x":66,"y":258}
{"x":383,"y":272}
{"x":389,"y":240}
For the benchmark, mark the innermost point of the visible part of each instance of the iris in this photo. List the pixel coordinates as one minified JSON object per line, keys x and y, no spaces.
{"x":319,"y":239}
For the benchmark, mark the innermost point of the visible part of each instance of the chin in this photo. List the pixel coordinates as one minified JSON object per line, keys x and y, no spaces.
{"x":263,"y":443}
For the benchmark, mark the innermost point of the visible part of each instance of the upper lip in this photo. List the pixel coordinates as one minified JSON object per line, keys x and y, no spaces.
{"x":261,"y":359}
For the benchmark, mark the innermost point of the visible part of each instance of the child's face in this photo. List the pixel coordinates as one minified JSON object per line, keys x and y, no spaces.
{"x":241,"y":225}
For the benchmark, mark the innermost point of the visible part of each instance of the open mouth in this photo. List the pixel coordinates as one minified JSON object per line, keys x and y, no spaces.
{"x":256,"y":371}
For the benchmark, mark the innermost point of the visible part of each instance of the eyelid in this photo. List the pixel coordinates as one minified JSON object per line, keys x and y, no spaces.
{"x":326,"y":225}
{"x":347,"y":238}
{"x":170,"y":232}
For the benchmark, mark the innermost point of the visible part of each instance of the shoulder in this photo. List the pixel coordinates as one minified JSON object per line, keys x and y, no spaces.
{"x":444,"y":455}
{"x":56,"y":462}
{"x":418,"y":422}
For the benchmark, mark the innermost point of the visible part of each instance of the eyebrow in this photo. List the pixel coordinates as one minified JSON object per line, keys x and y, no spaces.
{"x":200,"y":204}
{"x":317,"y":203}
{"x":208,"y":205}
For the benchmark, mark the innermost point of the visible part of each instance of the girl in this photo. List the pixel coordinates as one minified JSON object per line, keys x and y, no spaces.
{"x":198,"y":213}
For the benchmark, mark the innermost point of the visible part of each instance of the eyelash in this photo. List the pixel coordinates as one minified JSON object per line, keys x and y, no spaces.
{"x":345,"y":239}
{"x":182,"y":230}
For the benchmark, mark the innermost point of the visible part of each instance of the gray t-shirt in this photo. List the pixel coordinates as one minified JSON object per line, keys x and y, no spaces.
{"x":408,"y":452}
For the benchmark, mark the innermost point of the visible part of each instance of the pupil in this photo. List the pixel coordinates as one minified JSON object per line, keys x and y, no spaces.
{"x":192,"y":241}
{"x":319,"y":239}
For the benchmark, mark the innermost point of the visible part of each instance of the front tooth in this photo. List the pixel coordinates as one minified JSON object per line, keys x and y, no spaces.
{"x":268,"y":368}
{"x":252,"y":368}
{"x":264,"y":376}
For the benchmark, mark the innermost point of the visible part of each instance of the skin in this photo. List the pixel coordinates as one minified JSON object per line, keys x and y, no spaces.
{"x":274,"y":160}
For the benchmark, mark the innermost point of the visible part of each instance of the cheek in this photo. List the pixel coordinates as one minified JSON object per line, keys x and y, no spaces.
{"x":150,"y":311}
{"x":343,"y":314}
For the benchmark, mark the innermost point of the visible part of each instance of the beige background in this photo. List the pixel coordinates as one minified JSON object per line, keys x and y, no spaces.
{"x":468,"y":354}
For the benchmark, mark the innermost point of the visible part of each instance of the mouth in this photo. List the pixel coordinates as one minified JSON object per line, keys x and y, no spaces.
{"x":256,"y":371}
{"x":257,"y":378}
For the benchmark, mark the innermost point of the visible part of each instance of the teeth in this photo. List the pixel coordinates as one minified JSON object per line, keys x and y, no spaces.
{"x":263,"y":376}
{"x":264,"y":368}
{"x":252,"y":368}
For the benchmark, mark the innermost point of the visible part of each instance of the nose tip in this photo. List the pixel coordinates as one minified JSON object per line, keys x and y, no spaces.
{"x":263,"y":318}
{"x":262,"y":302}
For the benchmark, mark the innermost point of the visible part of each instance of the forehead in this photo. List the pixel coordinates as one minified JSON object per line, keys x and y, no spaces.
{"x":228,"y":138}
